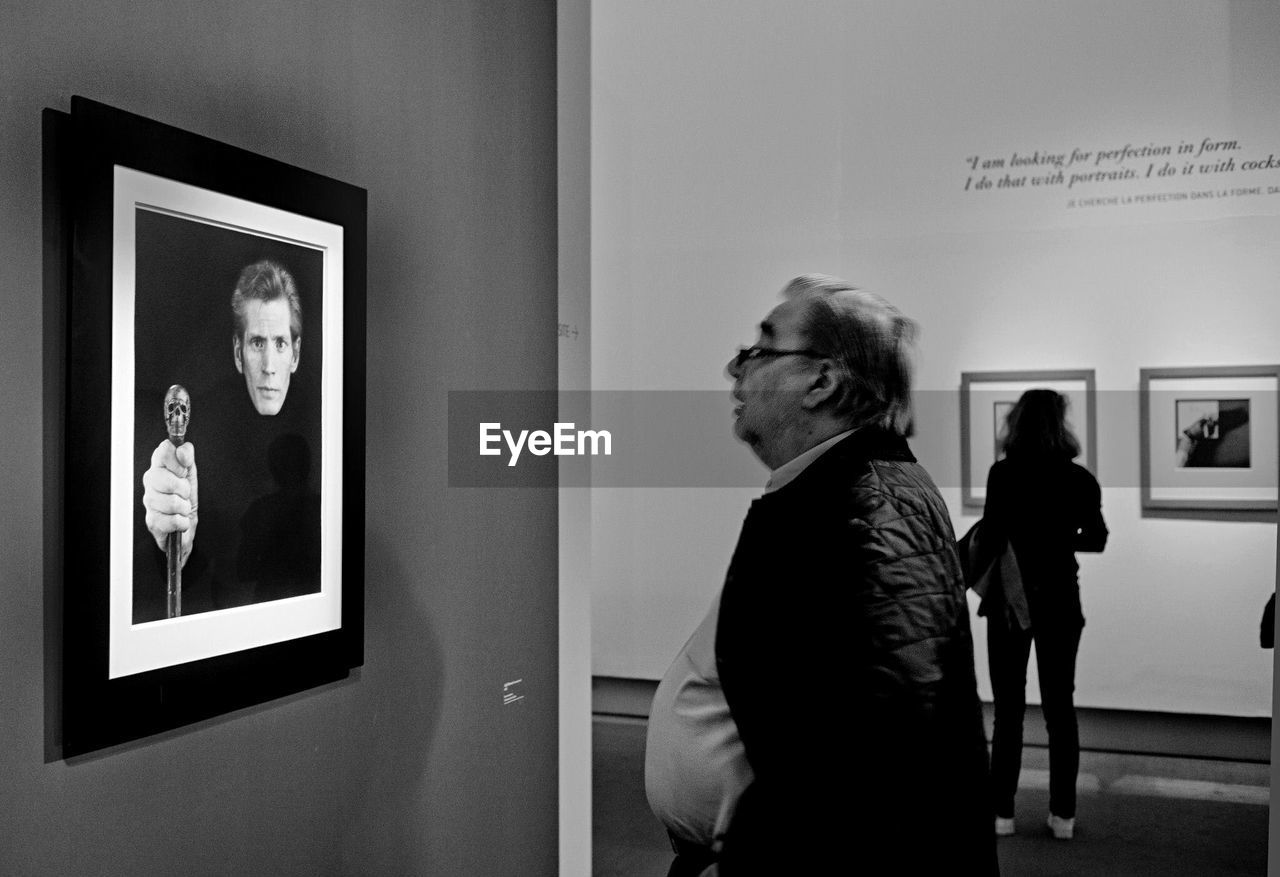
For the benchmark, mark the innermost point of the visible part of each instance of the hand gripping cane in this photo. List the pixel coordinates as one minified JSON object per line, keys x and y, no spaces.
{"x":177,"y":414}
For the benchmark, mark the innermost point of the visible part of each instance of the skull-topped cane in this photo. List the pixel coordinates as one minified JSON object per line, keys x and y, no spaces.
{"x":177,"y":414}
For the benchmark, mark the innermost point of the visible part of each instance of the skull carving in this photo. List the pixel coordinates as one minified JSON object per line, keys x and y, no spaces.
{"x":177,"y":412}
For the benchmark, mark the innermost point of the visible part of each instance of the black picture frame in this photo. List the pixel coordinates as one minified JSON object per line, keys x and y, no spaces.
{"x":1233,"y":467}
{"x":126,"y":675}
{"x":983,"y":393}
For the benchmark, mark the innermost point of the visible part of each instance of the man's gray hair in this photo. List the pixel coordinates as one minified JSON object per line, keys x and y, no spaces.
{"x":869,"y":341}
{"x":266,"y":281}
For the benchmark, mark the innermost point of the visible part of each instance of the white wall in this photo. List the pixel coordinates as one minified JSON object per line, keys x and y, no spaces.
{"x":737,"y":143}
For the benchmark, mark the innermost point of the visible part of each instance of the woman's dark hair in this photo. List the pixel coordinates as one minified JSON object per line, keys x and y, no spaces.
{"x":1038,"y":428}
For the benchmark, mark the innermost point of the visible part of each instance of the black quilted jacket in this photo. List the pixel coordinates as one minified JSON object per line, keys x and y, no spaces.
{"x":844,"y":650}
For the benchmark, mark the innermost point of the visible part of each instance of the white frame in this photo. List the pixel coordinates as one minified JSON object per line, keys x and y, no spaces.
{"x":136,"y":648}
{"x":1248,"y":488}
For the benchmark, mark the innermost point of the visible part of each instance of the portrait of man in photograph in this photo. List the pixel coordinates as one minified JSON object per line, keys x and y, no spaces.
{"x":221,"y":312}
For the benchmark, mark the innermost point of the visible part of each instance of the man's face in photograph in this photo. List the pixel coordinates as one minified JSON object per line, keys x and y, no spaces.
{"x":267,"y":353}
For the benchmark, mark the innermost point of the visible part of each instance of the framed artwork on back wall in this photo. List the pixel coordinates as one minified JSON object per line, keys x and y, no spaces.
{"x":1209,"y":437}
{"x":987,"y":397}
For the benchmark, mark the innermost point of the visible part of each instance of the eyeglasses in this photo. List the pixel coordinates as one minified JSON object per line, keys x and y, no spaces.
{"x":756,"y":352}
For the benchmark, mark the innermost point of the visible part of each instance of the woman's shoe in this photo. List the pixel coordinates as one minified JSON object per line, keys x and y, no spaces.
{"x":1063,"y":829}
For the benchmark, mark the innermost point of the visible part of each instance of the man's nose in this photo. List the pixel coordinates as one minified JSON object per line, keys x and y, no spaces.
{"x":731,"y":368}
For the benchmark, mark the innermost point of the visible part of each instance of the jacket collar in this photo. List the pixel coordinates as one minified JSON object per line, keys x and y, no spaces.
{"x":867,"y":443}
{"x":790,"y":470}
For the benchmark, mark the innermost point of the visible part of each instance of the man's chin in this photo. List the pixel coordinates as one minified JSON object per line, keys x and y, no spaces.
{"x":269,"y":407}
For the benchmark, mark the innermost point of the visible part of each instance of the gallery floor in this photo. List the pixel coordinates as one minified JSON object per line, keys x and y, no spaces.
{"x":1138,"y":815}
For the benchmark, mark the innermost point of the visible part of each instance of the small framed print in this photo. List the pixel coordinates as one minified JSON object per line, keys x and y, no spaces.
{"x":1209,"y":438}
{"x":216,"y":321}
{"x":987,"y":397}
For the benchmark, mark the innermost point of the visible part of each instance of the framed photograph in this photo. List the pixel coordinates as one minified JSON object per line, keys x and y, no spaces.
{"x":986,"y":398}
{"x":215,"y":428}
{"x":1209,"y":437}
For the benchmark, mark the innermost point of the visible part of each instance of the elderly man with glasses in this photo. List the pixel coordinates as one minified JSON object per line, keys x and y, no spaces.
{"x":824,"y":717}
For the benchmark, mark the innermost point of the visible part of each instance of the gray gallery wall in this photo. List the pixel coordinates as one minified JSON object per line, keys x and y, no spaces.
{"x":445,"y":111}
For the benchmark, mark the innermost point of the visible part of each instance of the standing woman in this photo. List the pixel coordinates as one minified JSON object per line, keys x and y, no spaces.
{"x":1046,"y":507}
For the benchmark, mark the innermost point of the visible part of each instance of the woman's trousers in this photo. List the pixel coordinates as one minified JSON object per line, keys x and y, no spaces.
{"x":1008,"y":651}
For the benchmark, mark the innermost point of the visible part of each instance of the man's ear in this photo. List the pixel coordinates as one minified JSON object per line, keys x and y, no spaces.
{"x":235,"y":350}
{"x":824,"y":387}
{"x":297,"y":353}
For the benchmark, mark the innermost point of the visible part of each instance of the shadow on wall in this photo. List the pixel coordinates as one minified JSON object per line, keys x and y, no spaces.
{"x":399,"y":714}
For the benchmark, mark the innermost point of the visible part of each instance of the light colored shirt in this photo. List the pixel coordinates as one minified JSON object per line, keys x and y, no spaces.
{"x":787,"y":472}
{"x":695,"y":768}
